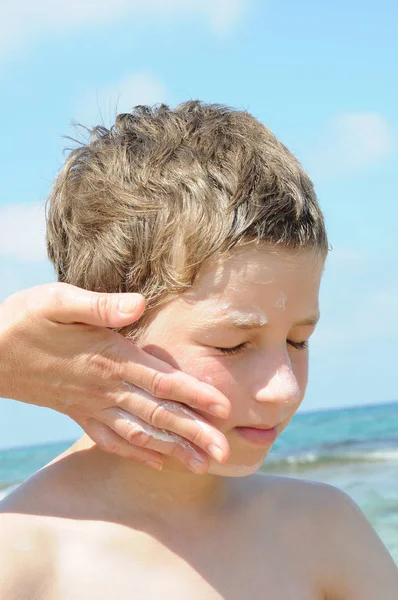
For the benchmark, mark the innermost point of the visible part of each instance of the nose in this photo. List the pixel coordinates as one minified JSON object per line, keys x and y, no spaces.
{"x":278,"y":384}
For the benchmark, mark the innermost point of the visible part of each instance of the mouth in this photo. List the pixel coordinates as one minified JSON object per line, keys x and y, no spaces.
{"x":259,"y":435}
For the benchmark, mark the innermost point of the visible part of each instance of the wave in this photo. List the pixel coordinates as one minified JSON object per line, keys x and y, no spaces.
{"x":319,"y":458}
{"x":6,"y":490}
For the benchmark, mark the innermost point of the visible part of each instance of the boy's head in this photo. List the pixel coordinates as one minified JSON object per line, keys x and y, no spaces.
{"x":204,"y":212}
{"x":143,"y":205}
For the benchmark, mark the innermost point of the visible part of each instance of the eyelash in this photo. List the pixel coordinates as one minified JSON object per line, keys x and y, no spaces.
{"x":240,"y":347}
{"x":298,"y":345}
{"x":234,"y":350}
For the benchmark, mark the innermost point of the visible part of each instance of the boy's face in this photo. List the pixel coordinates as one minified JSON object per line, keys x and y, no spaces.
{"x":243,"y":328}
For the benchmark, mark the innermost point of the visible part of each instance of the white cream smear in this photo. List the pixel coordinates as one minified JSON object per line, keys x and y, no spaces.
{"x":175,"y":407}
{"x":178,"y":408}
{"x":208,"y":379}
{"x":281,"y":301}
{"x":247,"y":318}
{"x":225,"y":313}
{"x":162,"y":435}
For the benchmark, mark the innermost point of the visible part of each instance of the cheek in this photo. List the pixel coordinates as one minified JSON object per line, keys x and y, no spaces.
{"x":212,"y":371}
{"x":209,"y":370}
{"x":204,"y":368}
{"x":299,"y":365}
{"x":300,"y":370}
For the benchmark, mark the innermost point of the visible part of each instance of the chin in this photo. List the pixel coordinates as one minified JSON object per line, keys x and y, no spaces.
{"x":232,"y":469}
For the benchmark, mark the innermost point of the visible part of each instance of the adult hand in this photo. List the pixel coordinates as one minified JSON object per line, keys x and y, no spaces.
{"x":56,"y":351}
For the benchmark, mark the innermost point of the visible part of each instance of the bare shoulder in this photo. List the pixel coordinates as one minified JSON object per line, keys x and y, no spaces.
{"x":294,"y":497}
{"x":298,"y":505}
{"x":25,"y":556}
{"x":357,"y":565}
{"x":351,"y":559}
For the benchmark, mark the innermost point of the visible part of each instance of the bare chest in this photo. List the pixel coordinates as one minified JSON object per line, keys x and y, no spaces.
{"x":213,"y":567}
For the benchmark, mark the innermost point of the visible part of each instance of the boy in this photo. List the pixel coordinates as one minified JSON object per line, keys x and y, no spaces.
{"x":203,"y":211}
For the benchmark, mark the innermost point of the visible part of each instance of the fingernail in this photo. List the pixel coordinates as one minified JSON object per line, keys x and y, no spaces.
{"x":196,"y":465}
{"x":218,"y":410}
{"x":127,"y":306}
{"x":215,"y":452}
{"x":154,"y":464}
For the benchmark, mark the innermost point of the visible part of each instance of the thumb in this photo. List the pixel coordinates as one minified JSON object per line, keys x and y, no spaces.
{"x":65,"y":303}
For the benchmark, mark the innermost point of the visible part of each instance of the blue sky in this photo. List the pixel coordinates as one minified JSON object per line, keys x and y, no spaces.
{"x":322,"y":75}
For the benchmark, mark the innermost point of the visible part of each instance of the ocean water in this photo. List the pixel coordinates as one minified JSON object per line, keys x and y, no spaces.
{"x":354,"y":449}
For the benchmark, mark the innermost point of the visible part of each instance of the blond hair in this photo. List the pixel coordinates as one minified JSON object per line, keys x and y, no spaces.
{"x":142,"y":205}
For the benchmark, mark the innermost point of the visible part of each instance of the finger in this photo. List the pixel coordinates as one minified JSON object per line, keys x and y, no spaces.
{"x":109,"y":441}
{"x":135,"y":431}
{"x":164,"y":381}
{"x":177,"y":418}
{"x":66,"y":303}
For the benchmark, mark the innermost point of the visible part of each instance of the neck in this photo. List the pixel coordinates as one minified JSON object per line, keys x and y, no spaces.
{"x":130,"y":486}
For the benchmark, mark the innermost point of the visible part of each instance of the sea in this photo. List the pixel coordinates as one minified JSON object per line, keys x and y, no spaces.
{"x":354,"y":449}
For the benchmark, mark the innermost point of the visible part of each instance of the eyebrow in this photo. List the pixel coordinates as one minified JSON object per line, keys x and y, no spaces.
{"x":254,"y":321}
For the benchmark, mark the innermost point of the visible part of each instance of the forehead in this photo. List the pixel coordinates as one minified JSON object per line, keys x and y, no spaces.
{"x":250,"y":284}
{"x":257,"y":271}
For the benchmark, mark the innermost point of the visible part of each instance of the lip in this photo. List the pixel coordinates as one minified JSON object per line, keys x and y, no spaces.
{"x":259,"y":436}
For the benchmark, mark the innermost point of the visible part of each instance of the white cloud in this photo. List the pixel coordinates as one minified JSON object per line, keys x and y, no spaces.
{"x":99,"y":105}
{"x":223,"y":14}
{"x":23,"y":20}
{"x":22,"y":232}
{"x":349,"y":144}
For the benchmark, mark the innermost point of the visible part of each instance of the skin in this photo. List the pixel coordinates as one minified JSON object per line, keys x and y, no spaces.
{"x":95,"y":525}
{"x":79,"y":367}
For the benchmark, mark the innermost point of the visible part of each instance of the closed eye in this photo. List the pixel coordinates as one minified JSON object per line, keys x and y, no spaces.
{"x":298,"y":345}
{"x":233,"y":350}
{"x":237,"y":349}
